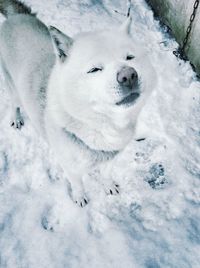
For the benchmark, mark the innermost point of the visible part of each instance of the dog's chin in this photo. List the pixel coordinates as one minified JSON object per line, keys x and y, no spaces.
{"x":129,"y":100}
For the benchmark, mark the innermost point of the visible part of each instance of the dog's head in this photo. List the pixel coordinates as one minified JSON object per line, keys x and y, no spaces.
{"x":104,"y":79}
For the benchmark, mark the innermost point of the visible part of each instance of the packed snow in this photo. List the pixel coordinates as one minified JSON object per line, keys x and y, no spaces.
{"x":154,"y":222}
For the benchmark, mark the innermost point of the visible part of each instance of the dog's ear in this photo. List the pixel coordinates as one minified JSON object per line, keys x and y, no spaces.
{"x":62,"y":43}
{"x":126,"y":26}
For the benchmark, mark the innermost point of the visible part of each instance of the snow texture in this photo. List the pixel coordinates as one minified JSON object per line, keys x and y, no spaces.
{"x":154,"y":222}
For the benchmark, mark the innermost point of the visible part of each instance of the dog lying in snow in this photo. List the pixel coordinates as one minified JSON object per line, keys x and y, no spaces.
{"x":83,"y":94}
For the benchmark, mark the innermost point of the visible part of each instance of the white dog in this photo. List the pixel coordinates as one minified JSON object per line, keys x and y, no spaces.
{"x":83,"y":94}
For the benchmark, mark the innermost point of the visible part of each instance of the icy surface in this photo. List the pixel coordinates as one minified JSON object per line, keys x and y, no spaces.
{"x":155,"y":222}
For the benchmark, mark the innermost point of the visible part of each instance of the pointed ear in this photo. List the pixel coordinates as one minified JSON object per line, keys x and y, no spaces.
{"x":62,"y":43}
{"x":126,"y":26}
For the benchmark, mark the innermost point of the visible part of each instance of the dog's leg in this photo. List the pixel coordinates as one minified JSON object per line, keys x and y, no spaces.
{"x":71,"y":159}
{"x":110,"y":186}
{"x":17,"y":120}
{"x":78,"y":193}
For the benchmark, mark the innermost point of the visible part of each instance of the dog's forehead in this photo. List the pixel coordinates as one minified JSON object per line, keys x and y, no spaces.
{"x":104,"y":43}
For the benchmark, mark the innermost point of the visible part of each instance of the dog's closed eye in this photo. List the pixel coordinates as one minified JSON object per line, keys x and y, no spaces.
{"x":95,"y":69}
{"x":130,"y":57}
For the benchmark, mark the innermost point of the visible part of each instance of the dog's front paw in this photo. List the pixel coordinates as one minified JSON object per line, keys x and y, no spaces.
{"x":80,"y":198}
{"x":112,"y":189}
{"x":82,"y":201}
{"x":18,"y":121}
{"x":18,"y":124}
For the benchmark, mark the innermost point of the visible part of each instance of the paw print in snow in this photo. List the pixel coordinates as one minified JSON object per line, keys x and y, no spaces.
{"x":46,"y":224}
{"x":156,"y":176}
{"x":49,"y":221}
{"x":141,"y":157}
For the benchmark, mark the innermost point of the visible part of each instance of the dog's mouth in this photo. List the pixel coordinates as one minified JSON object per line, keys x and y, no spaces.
{"x":129,"y":100}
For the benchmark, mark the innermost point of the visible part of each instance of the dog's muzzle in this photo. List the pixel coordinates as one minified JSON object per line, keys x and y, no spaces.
{"x":127,"y":79}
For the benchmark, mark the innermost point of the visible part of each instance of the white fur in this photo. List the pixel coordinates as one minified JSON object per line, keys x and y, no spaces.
{"x":77,"y":112}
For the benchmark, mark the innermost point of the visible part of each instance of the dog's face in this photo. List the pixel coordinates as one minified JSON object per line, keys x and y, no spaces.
{"x":103,"y":80}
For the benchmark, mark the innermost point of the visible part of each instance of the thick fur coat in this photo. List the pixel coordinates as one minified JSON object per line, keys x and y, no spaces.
{"x":83,"y":94}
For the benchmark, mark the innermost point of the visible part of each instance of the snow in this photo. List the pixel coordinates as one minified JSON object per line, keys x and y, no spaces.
{"x":155,"y":220}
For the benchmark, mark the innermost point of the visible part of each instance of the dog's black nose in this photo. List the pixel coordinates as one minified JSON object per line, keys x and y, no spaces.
{"x":127,"y":77}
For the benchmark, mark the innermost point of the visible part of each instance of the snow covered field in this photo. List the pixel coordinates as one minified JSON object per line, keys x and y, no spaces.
{"x":155,"y":221}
